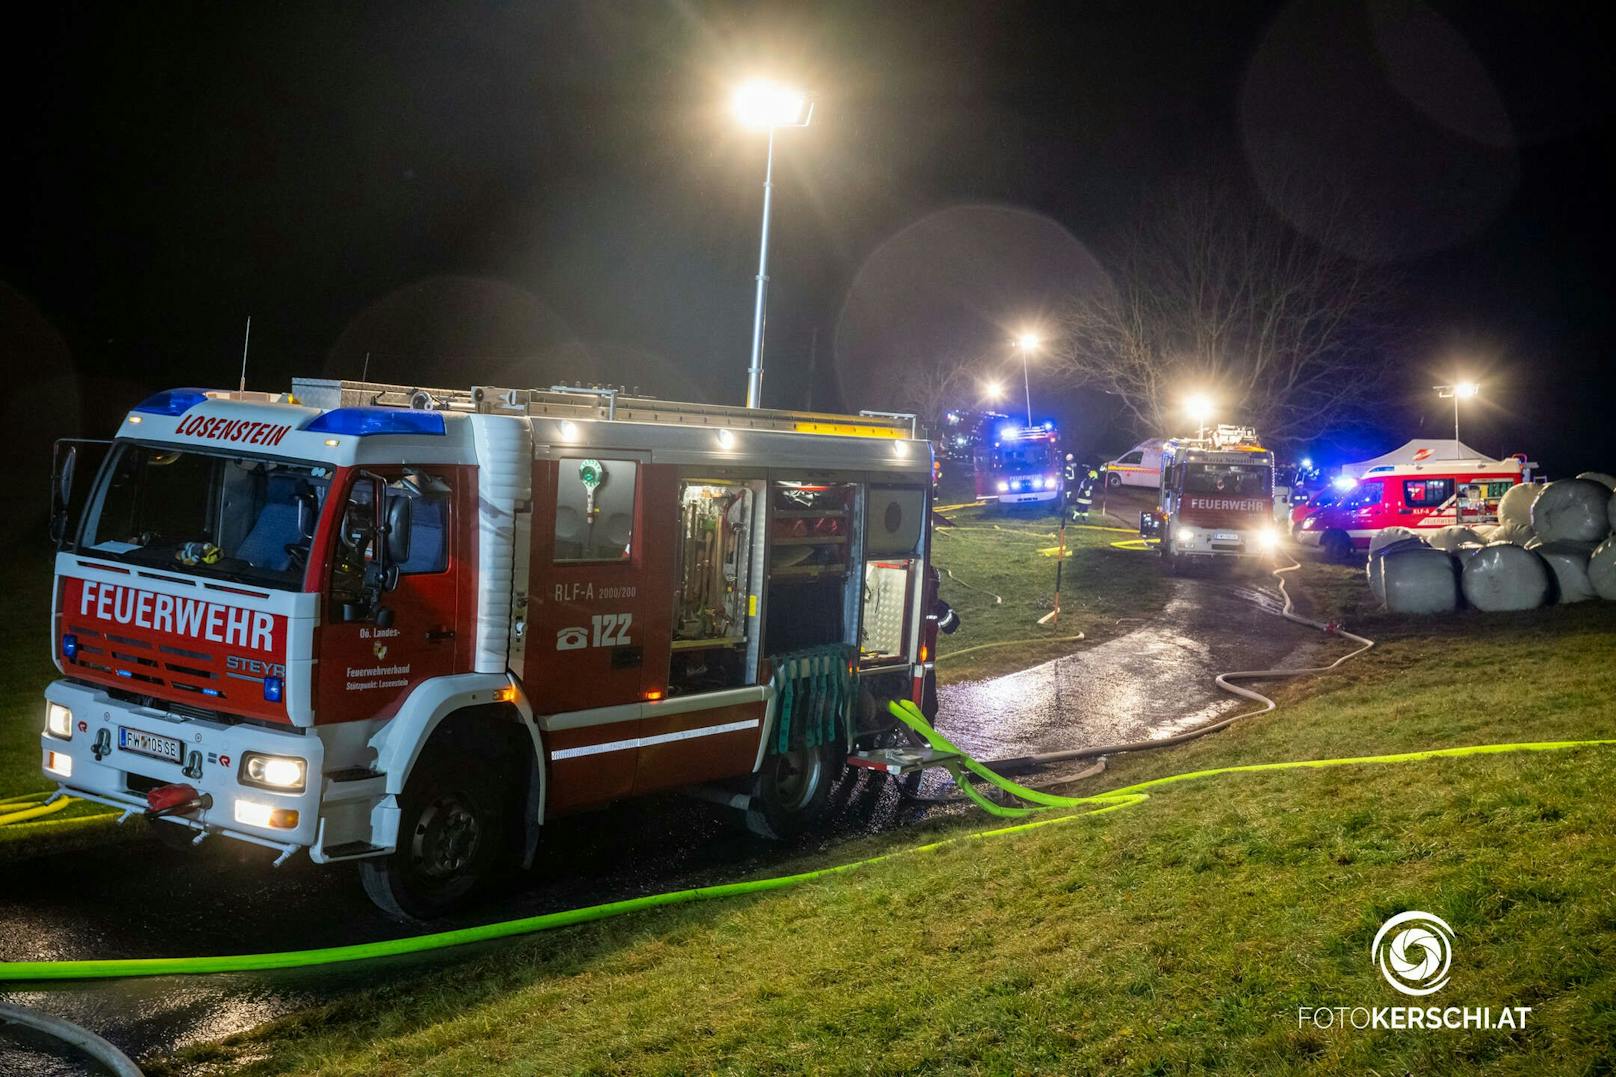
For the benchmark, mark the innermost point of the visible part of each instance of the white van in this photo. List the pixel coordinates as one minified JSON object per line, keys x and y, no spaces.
{"x":1139,"y":466}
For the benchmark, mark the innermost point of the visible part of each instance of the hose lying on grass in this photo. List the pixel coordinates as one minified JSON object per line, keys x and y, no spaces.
{"x":1098,"y":804}
{"x":80,"y":1039}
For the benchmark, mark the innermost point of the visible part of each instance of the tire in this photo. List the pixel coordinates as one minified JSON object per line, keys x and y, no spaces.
{"x":451,"y":840}
{"x":1113,"y":480}
{"x":1336,"y":546}
{"x":791,"y":793}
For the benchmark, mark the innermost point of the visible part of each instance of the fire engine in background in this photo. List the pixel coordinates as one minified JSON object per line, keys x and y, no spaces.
{"x":1016,"y":464}
{"x":1216,"y":500}
{"x":1422,"y":496}
{"x":408,"y":627}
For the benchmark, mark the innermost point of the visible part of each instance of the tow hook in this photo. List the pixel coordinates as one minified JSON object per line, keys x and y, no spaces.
{"x":103,"y":745}
{"x":176,"y":800}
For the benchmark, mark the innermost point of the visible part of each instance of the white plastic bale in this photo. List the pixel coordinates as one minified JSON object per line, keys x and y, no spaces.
{"x":1607,"y":481}
{"x":1501,"y":576}
{"x":1602,"y":570}
{"x":1374,"y":568}
{"x":1569,"y":563}
{"x":1513,"y":533}
{"x":1419,"y":579}
{"x":1388,"y":535}
{"x":1515,"y":507}
{"x":1572,"y":510}
{"x":1451,"y":537}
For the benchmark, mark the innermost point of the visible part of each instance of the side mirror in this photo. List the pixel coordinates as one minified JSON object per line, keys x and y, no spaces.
{"x":398,"y":530}
{"x":64,"y":476}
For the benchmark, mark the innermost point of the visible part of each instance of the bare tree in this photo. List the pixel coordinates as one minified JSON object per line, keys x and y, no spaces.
{"x":926,"y":385}
{"x":1211,"y":293}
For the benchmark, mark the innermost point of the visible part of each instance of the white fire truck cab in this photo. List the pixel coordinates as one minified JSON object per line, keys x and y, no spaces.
{"x":1216,"y":499}
{"x":408,"y":627}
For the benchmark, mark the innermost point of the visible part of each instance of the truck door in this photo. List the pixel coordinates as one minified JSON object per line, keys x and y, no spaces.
{"x":598,"y":631}
{"x":366,"y":670}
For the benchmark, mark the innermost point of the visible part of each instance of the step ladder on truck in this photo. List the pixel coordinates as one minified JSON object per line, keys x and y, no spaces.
{"x":408,"y":627}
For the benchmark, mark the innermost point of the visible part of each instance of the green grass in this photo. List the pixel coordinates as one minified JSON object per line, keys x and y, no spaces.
{"x":1176,"y":936}
{"x":1010,"y":553}
{"x":25,"y":670}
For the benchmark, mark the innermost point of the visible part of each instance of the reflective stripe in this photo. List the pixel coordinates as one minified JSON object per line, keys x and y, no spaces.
{"x":660,"y":738}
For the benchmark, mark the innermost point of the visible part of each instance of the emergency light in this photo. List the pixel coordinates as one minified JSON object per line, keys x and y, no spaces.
{"x":362,"y":421}
{"x":172,"y":401}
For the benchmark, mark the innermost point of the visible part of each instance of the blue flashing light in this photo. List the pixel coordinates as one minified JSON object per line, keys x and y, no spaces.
{"x":212,"y":692}
{"x":70,"y":645}
{"x":1343,"y":482}
{"x":1008,"y":432}
{"x":361,"y":422}
{"x":1307,"y":463}
{"x":1048,"y":425}
{"x":274,"y":689}
{"x":172,"y":401}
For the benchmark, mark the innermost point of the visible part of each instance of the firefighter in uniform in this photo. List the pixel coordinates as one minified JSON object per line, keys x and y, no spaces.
{"x":1080,"y":482}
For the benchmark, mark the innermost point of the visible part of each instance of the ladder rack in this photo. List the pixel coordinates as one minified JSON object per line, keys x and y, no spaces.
{"x":612,"y":405}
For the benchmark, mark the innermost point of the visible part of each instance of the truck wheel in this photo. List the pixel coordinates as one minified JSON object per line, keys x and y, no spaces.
{"x":790,"y":794}
{"x":450,"y":838}
{"x":1336,"y":546}
{"x":1113,"y":480}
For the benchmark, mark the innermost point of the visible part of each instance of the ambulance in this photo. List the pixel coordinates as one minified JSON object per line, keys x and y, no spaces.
{"x":1421,"y":496}
{"x":408,"y":628}
{"x":1139,"y":466}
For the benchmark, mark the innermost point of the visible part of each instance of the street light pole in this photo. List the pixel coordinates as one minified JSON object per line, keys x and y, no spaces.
{"x":1026,"y":386}
{"x":754,"y":373}
{"x":1458,"y":391}
{"x":767,"y":106}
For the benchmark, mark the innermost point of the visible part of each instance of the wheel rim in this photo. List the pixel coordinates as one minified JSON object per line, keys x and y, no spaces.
{"x":447,"y":837}
{"x":796,"y":776}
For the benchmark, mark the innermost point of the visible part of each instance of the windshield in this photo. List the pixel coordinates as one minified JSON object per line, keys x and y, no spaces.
{"x":1228,"y":480}
{"x":234,"y":517}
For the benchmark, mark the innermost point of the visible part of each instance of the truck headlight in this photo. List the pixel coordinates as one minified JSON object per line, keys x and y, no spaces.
{"x":1004,"y":487}
{"x":58,"y":721}
{"x":1268,"y":538}
{"x":1184,"y":534}
{"x":281,"y":772}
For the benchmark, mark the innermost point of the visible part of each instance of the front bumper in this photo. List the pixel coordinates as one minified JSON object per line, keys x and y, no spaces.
{"x":1220,"y":543}
{"x":104,"y":772}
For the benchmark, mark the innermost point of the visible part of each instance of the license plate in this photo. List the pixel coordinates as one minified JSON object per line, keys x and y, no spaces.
{"x":1226,"y":536}
{"x":137,"y":740}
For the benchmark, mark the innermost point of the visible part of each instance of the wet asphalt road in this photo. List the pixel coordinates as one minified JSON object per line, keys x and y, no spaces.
{"x":1151,"y":677}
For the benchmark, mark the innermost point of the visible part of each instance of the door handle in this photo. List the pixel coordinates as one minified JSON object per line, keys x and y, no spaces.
{"x":437,"y":635}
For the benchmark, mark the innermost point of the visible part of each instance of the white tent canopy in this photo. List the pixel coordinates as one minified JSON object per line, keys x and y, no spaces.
{"x":1419,"y":451}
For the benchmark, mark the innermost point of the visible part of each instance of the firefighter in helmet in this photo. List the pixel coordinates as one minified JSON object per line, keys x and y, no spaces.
{"x":1080,"y":480}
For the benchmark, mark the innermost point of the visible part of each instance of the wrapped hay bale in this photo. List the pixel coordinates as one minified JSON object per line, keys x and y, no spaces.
{"x":1418,"y":579}
{"x":1602,"y":570}
{"x":1607,"y":481}
{"x":1502,"y":576}
{"x":1513,"y":533}
{"x":1572,"y":510}
{"x":1569,"y":563}
{"x":1515,"y":507}
{"x":1382,"y":543}
{"x":1453,"y":536}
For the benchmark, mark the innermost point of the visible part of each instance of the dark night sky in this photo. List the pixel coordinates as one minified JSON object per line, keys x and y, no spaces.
{"x":513,"y":193}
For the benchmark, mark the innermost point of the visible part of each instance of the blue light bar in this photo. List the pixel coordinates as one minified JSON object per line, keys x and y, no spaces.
{"x":361,"y":422}
{"x":172,"y":401}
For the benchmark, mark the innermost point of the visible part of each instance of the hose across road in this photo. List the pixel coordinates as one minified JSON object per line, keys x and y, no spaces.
{"x":1040,"y":809}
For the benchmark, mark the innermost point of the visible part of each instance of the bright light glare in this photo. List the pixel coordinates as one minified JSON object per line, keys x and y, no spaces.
{"x":1004,"y":487}
{"x":1466,"y":389}
{"x":58,"y":720}
{"x":1198,"y":407}
{"x":252,"y":814}
{"x":1307,"y":463}
{"x":726,"y":439}
{"x":1343,"y":482}
{"x":1268,"y":539}
{"x":1184,"y":534}
{"x":279,"y":771}
{"x":762,"y":104}
{"x":993,"y":390}
{"x":1028,"y":342}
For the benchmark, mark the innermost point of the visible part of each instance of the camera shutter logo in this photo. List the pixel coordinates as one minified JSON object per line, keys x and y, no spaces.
{"x":1413,"y":951}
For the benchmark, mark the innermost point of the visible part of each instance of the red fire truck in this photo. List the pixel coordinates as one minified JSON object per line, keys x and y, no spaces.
{"x":409,"y":627}
{"x":1216,"y":499}
{"x":1423,"y":496}
{"x":1017,"y":464}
